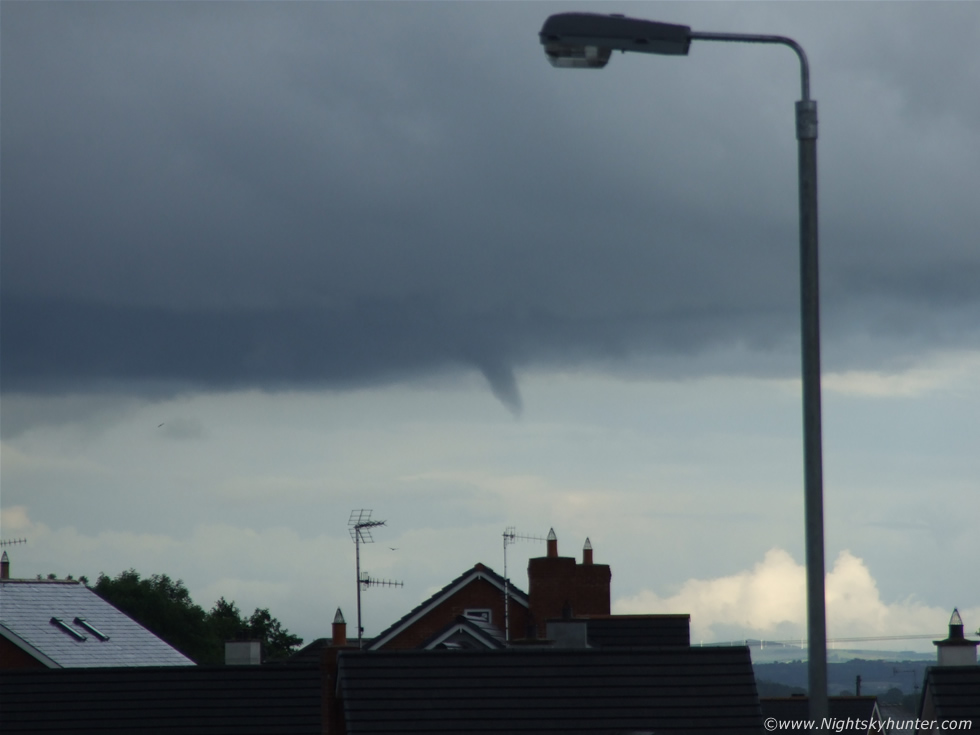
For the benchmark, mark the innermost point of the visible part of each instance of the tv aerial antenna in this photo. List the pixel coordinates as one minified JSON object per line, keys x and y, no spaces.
{"x":360,"y":526}
{"x":915,"y":681}
{"x":511,"y":537}
{"x":13,"y":541}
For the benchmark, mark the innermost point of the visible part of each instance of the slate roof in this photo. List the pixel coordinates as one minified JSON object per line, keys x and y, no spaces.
{"x":544,"y":690}
{"x":196,"y":700}
{"x":104,"y":637}
{"x":479,"y":571}
{"x":311,"y":652}
{"x":639,"y":630}
{"x":952,"y":693}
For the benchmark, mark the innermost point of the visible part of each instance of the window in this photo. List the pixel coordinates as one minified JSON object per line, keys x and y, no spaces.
{"x":81,"y":622}
{"x":59,"y":623}
{"x":481,"y":615}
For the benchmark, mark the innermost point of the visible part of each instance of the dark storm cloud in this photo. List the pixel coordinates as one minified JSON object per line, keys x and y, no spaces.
{"x":222,"y":195}
{"x":70,"y":346}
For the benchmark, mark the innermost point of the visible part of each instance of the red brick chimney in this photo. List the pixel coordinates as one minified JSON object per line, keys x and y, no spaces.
{"x":339,"y":630}
{"x":4,"y":566}
{"x":332,"y":710}
{"x":556,"y":584}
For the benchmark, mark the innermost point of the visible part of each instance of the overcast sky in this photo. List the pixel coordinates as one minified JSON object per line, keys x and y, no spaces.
{"x":265,"y":263}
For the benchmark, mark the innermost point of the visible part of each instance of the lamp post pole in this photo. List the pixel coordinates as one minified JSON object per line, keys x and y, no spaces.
{"x":806,"y":135}
{"x":585,"y":40}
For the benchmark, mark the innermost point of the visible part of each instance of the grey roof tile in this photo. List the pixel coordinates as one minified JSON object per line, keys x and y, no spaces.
{"x":954,"y":691}
{"x":639,"y":630}
{"x":540,"y":690}
{"x":26,"y":610}
{"x":196,"y":700}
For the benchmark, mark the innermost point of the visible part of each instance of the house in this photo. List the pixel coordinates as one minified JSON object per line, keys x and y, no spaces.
{"x":475,"y":597}
{"x":64,"y":624}
{"x":546,"y":690}
{"x":541,"y":686}
{"x":537,"y":689}
{"x":950,"y":694}
{"x":482,"y":609}
{"x":72,"y":663}
{"x":470,"y":611}
{"x":850,"y":714}
{"x":159,"y":700}
{"x":951,"y":691}
{"x":446,"y":666}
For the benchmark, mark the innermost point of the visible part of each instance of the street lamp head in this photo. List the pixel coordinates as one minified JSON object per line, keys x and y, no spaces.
{"x":586,"y":40}
{"x":570,"y":56}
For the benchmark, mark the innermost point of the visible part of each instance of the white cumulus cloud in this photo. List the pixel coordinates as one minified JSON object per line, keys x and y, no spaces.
{"x":769,"y":601}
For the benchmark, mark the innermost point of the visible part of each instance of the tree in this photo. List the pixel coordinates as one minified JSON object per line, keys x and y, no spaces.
{"x":225,"y":620}
{"x":227,"y":624}
{"x":165,"y":607}
{"x":277,"y":642}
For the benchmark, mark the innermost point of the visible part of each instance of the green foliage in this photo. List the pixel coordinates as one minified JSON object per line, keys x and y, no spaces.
{"x":277,"y":642}
{"x":165,"y":607}
{"x":226,"y":620}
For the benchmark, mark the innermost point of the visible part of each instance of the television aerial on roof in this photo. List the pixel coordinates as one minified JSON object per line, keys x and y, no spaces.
{"x":511,"y":537}
{"x":360,"y":525}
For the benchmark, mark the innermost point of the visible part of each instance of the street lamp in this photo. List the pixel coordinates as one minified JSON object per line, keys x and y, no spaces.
{"x":586,"y":41}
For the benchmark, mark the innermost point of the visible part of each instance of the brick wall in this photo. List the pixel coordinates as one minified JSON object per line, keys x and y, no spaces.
{"x":478,"y":594}
{"x":12,"y":657}
{"x":558,"y":583}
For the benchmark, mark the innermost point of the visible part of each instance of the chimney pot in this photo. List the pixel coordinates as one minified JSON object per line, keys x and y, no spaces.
{"x":339,"y":630}
{"x":552,"y":544}
{"x":955,"y":624}
{"x":4,"y":566}
{"x":956,"y":650}
{"x":587,"y":552}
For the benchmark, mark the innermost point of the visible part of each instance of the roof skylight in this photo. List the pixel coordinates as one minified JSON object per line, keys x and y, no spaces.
{"x":58,"y":622}
{"x":91,"y":629}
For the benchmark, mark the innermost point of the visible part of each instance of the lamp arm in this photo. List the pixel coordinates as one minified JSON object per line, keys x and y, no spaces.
{"x":755,"y":38}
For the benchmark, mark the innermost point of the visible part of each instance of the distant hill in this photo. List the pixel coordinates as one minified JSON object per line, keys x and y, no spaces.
{"x":768,"y":652}
{"x":772,"y":689}
{"x":891,"y":681}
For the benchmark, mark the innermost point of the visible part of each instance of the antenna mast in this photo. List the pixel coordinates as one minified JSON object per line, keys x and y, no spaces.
{"x":360,"y":524}
{"x":913,"y":671}
{"x":511,"y":536}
